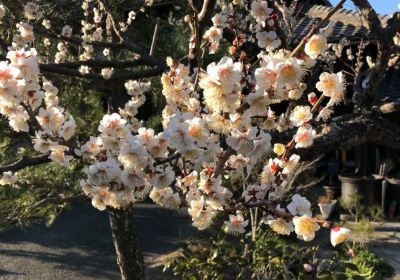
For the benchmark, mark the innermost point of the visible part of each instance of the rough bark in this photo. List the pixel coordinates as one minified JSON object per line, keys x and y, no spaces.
{"x":128,"y":252}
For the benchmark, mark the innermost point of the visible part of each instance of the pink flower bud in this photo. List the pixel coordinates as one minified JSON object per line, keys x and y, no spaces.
{"x":307,"y":267}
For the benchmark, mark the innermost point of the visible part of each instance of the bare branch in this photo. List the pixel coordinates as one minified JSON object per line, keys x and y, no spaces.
{"x":140,"y":53}
{"x":202,"y":18}
{"x":384,"y":44}
{"x":221,"y":163}
{"x":24,"y":162}
{"x":155,"y":36}
{"x":54,"y":68}
{"x":168,"y":159}
{"x":110,"y":15}
{"x":100,"y":63}
{"x":206,"y":13}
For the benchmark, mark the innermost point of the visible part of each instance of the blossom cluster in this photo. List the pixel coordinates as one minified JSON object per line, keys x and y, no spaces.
{"x":215,"y":152}
{"x":32,"y":107}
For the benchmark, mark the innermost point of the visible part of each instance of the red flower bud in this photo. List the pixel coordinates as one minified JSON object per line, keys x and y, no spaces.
{"x":274,"y":16}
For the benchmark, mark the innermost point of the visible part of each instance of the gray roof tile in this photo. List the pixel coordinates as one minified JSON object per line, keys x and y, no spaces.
{"x":351,"y":25}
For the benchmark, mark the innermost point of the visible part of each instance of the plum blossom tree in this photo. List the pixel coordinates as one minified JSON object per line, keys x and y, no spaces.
{"x":221,"y":150}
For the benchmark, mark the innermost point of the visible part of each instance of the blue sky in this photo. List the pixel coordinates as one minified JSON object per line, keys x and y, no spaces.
{"x":383,"y":7}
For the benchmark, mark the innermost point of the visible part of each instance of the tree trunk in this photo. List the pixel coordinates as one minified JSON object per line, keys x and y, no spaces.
{"x":129,"y":254}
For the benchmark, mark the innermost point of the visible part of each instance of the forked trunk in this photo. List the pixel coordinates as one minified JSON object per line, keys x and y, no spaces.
{"x":128,"y":252}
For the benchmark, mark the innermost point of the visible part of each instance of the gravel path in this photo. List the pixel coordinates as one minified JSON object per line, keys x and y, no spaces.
{"x":79,"y":245}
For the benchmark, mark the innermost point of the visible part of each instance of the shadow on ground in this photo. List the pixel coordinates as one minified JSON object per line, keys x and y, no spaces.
{"x":79,"y":244}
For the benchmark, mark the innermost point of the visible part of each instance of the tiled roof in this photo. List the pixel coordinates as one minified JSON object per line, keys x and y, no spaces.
{"x":336,"y":33}
{"x":343,"y":15}
{"x":345,"y":23}
{"x":351,"y":25}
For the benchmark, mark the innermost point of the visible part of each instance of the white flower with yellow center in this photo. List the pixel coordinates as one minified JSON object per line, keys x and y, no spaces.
{"x":134,"y":156}
{"x":258,"y":102}
{"x":218,"y":123}
{"x":31,"y":10}
{"x":196,"y":207}
{"x":58,"y":155}
{"x":102,"y":197}
{"x":221,"y":85}
{"x":103,"y":172}
{"x":113,"y":125}
{"x":304,"y":136}
{"x":265,"y":78}
{"x":107,"y":73}
{"x":7,"y":178}
{"x":163,"y":177}
{"x":51,"y":120}
{"x":158,"y":147}
{"x":331,"y":85}
{"x":299,"y":206}
{"x":132,"y":179}
{"x":267,"y":176}
{"x":26,"y":31}
{"x":197,"y":129}
{"x":242,"y":141}
{"x":236,"y":224}
{"x":316,"y":45}
{"x":165,"y":197}
{"x":238,"y":163}
{"x":300,"y":115}
{"x":281,"y":226}
{"x":261,"y":145}
{"x":226,"y":73}
{"x":68,"y":128}
{"x":91,"y":148}
{"x":339,"y":234}
{"x":214,"y":34}
{"x":305,"y":227}
{"x":219,"y":20}
{"x":289,"y":71}
{"x":205,"y":219}
{"x":268,"y":40}
{"x":289,"y":165}
{"x":239,"y":121}
{"x":41,"y":145}
{"x":260,"y":10}
{"x":19,"y":120}
{"x":177,"y":132}
{"x":279,"y":149}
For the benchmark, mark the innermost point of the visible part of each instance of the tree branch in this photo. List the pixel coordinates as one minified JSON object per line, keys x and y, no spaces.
{"x":203,"y":17}
{"x":384,"y":43}
{"x":140,"y":53}
{"x":100,"y":63}
{"x":24,"y":162}
{"x":168,"y":159}
{"x":54,"y":68}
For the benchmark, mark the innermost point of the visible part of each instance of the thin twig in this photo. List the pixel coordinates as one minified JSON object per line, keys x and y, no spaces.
{"x":155,"y":36}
